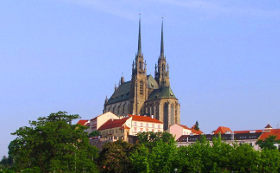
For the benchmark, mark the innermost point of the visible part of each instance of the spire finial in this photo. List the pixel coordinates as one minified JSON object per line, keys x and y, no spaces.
{"x":161,"y":42}
{"x":139,"y":37}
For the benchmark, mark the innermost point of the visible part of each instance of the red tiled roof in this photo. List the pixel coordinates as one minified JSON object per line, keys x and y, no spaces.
{"x":247,"y":131}
{"x":83,"y":122}
{"x":222,"y":130}
{"x":198,"y":132}
{"x":144,"y":118}
{"x":113,"y":123}
{"x":185,"y":127}
{"x":271,"y":132}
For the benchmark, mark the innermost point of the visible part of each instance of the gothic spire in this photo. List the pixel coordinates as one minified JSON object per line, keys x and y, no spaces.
{"x":161,"y":42}
{"x":139,"y":39}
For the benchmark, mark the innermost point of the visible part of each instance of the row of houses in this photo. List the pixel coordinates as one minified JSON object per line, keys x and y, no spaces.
{"x":112,"y":127}
{"x":232,"y":137}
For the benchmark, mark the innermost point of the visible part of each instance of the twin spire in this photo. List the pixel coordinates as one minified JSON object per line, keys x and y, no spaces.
{"x":139,"y":52}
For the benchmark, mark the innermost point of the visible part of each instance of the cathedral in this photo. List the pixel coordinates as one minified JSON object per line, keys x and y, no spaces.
{"x":145,"y":94}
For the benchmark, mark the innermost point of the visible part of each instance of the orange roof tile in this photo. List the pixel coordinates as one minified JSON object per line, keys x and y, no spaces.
{"x":198,"y":132}
{"x":113,"y":123}
{"x":271,"y":132}
{"x":222,"y":130}
{"x":83,"y":122}
{"x":185,"y":127}
{"x":144,"y":118}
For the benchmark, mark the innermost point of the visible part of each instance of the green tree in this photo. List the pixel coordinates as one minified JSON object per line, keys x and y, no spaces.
{"x":156,"y":153}
{"x":94,"y":133}
{"x":268,"y":143}
{"x":114,"y":157}
{"x":139,"y":159}
{"x":269,"y":161}
{"x":53,"y":144}
{"x":196,"y":126}
{"x":244,"y":158}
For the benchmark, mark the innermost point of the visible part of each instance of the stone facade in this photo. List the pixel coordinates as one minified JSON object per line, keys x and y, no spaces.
{"x":144,"y":94}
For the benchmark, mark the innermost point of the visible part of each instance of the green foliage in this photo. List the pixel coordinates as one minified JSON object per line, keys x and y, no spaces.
{"x":196,"y":126}
{"x":114,"y":157}
{"x":156,"y":153}
{"x":52,"y":144}
{"x":268,"y":143}
{"x":94,"y":133}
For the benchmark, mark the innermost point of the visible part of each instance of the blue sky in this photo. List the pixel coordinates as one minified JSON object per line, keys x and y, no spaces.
{"x":67,"y":55}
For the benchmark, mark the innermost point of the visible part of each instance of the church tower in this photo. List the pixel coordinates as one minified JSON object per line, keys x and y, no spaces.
{"x":162,"y":69}
{"x":138,"y":89}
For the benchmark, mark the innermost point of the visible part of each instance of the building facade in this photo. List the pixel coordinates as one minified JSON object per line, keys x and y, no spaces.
{"x":145,"y":94}
{"x":121,"y":129}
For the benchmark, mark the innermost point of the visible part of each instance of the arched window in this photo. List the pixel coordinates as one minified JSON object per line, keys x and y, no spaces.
{"x":166,"y":116}
{"x":157,"y":110}
{"x":172,"y":114}
{"x":176,"y":113}
{"x":124,"y":109}
{"x":141,"y":87}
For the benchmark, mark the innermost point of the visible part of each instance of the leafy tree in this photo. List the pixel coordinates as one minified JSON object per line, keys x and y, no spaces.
{"x":268,"y":143}
{"x":114,"y":157}
{"x":269,"y":161}
{"x":196,"y":126}
{"x":139,"y":159}
{"x":53,"y":144}
{"x":6,"y":162}
{"x":156,"y":153}
{"x":244,"y":158}
{"x":150,"y":139}
{"x":94,"y":133}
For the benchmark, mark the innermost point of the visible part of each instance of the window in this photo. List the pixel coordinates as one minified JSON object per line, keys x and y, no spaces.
{"x":141,"y":87}
{"x":135,"y":123}
{"x":141,"y":124}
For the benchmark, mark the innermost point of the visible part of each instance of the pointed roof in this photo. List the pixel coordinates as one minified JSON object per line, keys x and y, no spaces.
{"x":83,"y":122}
{"x":112,"y":123}
{"x":139,"y":52}
{"x":272,"y":132}
{"x":268,"y":126}
{"x":222,"y":130}
{"x":161,"y":41}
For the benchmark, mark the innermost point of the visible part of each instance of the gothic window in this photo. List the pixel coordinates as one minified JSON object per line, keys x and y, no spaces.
{"x":172,"y":114}
{"x":140,"y":65}
{"x":176,"y":114}
{"x":141,"y":87}
{"x":114,"y":109}
{"x":123,"y":108}
{"x":119,"y":110}
{"x":166,"y":116}
{"x":157,"y":114}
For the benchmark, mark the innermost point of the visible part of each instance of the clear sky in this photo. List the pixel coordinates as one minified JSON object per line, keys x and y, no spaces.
{"x":224,"y":58}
